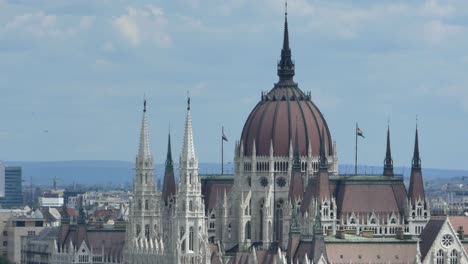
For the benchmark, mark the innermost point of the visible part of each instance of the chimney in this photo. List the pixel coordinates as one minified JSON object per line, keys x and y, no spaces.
{"x":340,"y":234}
{"x":461,"y":233}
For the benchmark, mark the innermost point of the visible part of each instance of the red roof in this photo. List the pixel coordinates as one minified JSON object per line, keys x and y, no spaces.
{"x":211,"y":191}
{"x":275,"y":119}
{"x":367,"y":198}
{"x":371,"y":252}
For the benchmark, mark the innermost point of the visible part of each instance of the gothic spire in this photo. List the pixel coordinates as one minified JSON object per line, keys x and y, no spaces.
{"x":416,"y":187}
{"x":323,"y":156}
{"x":388,"y":163}
{"x":416,"y":158}
{"x":188,"y":149}
{"x":286,"y":65}
{"x":169,"y":180}
{"x":296,"y":166}
{"x":144,"y":148}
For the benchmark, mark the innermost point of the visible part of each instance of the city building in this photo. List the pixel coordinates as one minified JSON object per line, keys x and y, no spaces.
{"x":19,"y":227}
{"x":77,"y":242}
{"x":12,"y":186}
{"x":50,"y":201}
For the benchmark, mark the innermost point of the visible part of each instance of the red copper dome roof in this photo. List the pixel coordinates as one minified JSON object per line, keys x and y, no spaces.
{"x":275,"y":119}
{"x":281,"y":111}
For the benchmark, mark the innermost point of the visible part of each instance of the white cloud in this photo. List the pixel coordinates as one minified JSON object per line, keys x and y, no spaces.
{"x":144,"y":24}
{"x":37,"y":24}
{"x":433,"y":8}
{"x":436,"y":32}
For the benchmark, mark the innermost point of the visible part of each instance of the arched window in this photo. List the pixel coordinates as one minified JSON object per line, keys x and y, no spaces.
{"x":453,"y":257}
{"x":212,"y":221}
{"x":440,"y":257}
{"x":182,"y":233}
{"x":278,"y":221}
{"x":146,"y":178}
{"x":191,"y":238}
{"x":147,"y":231}
{"x":146,"y":204}
{"x":138,"y":230}
{"x":261,"y":221}
{"x":190,"y":178}
{"x":190,"y":206}
{"x":139,"y":204}
{"x":248,"y":230}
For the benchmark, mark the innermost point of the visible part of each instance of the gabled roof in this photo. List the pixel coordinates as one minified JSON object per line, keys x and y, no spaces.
{"x":430,"y":233}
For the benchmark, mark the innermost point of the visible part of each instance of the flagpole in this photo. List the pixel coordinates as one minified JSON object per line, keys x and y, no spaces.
{"x":355,"y":156}
{"x":222,"y":150}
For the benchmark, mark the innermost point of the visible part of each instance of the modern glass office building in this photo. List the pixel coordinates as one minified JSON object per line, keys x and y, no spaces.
{"x":12,"y":184}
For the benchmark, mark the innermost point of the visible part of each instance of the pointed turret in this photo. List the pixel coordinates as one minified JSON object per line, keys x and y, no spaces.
{"x":318,"y":243}
{"x":323,"y":183}
{"x":296,"y":165}
{"x":286,"y":65}
{"x":416,"y":159}
{"x":296,"y":188}
{"x":144,"y":148}
{"x":144,"y":180}
{"x":416,"y":187}
{"x":188,"y":148}
{"x":323,"y":155}
{"x":168,"y":190}
{"x":388,"y":163}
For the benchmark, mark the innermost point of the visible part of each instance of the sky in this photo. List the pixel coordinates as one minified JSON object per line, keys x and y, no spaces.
{"x":73,"y":74}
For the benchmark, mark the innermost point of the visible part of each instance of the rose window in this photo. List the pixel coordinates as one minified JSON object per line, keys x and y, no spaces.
{"x":447,"y":240}
{"x":264,"y":182}
{"x":281,"y":182}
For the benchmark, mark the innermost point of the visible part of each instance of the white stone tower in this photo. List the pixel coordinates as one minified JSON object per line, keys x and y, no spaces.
{"x":190,"y":234}
{"x":143,"y":228}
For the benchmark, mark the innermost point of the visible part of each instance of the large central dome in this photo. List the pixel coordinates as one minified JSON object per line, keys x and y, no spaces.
{"x":278,"y":114}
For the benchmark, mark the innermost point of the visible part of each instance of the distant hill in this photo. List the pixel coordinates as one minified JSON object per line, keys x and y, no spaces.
{"x":122,"y":172}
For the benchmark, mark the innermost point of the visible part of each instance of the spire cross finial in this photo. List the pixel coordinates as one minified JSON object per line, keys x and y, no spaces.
{"x":417,"y":121}
{"x":286,"y":8}
{"x":188,"y":100}
{"x":144,"y":103}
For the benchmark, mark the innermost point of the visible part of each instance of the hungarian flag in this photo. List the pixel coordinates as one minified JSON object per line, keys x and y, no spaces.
{"x":224,"y":137}
{"x":359,"y":132}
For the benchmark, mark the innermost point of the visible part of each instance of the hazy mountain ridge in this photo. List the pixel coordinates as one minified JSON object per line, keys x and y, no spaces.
{"x":107,"y":171}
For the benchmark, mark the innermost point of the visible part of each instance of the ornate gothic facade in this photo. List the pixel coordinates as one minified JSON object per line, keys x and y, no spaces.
{"x":167,"y":227}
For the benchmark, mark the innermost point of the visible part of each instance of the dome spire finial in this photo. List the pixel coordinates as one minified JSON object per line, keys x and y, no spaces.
{"x":188,"y":101}
{"x":286,"y":65}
